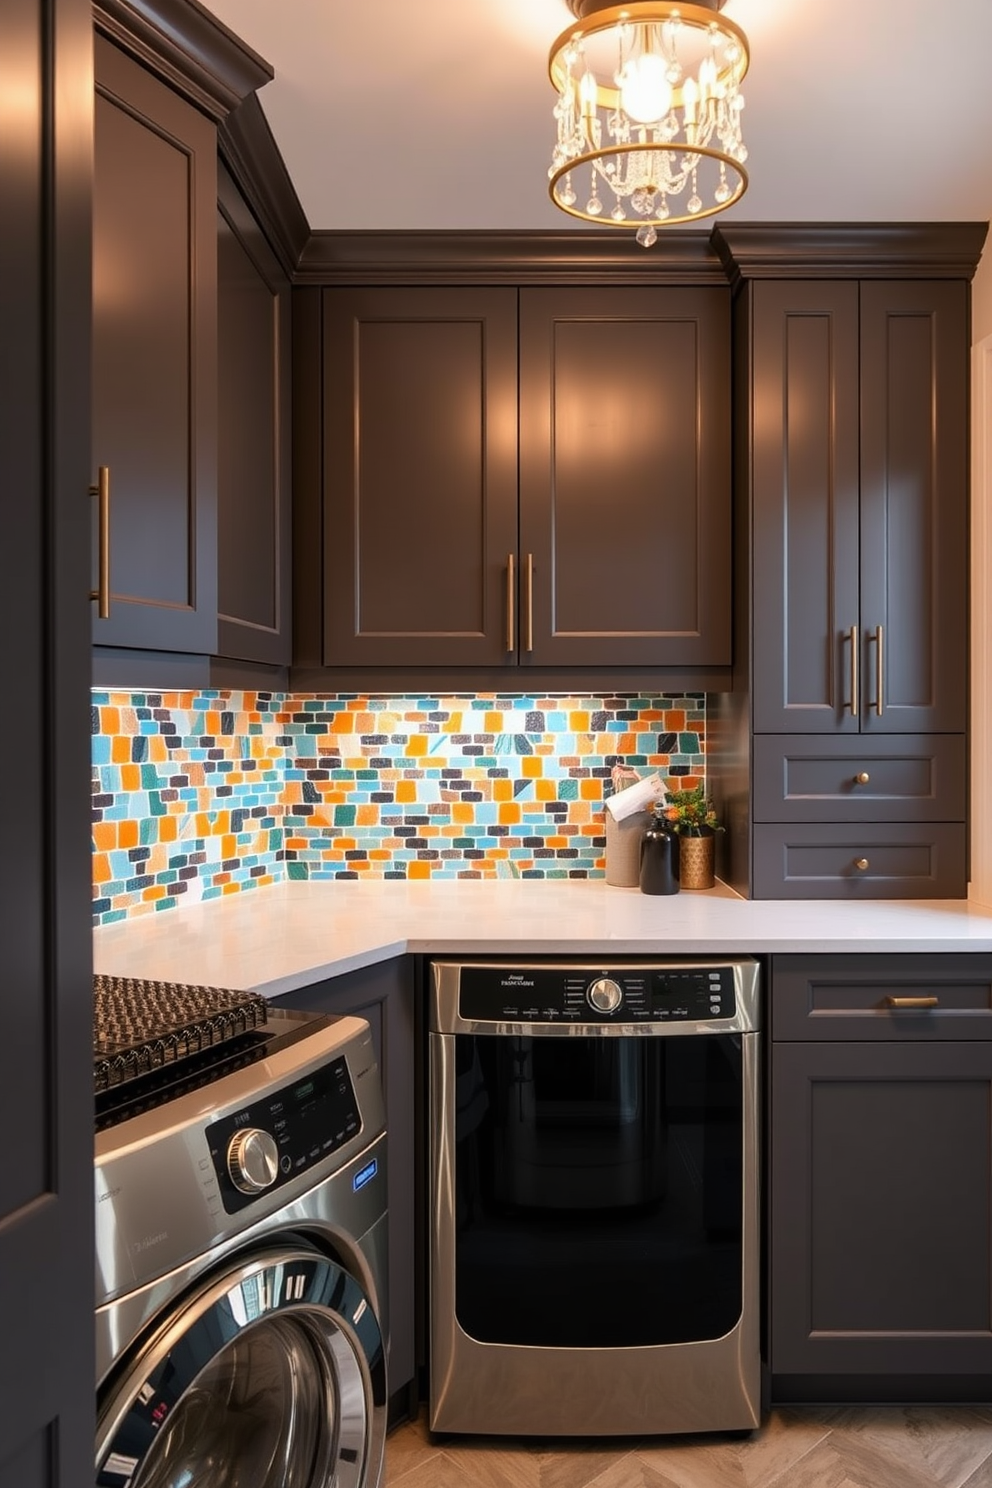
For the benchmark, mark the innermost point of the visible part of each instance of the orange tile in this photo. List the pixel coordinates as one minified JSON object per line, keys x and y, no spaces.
{"x":168,"y":828}
{"x":101,"y":868}
{"x":418,"y":869}
{"x":502,"y":790}
{"x":406,"y":790}
{"x":346,"y":844}
{"x":493,"y":723}
{"x":104,"y":835}
{"x":591,"y":790}
{"x":545,"y":790}
{"x":231,"y":888}
{"x":462,"y":811}
{"x":675,"y":719}
{"x":416,"y":745}
{"x":509,"y":813}
{"x":578,"y":722}
{"x":127,"y":834}
{"x":157,"y":891}
{"x":531,"y":766}
{"x":110,"y":721}
{"x":366,"y":814}
{"x":120,"y":749}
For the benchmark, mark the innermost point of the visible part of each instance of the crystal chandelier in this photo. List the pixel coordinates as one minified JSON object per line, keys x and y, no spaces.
{"x":648,"y":113}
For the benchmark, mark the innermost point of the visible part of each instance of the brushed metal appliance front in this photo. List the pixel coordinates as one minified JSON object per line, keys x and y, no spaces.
{"x":710,"y":1384}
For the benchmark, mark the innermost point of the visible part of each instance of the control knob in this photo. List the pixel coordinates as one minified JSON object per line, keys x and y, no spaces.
{"x":605,"y":995}
{"x":252,"y":1160}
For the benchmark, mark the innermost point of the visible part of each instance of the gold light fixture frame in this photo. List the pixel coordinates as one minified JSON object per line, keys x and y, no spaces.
{"x":596,"y":19}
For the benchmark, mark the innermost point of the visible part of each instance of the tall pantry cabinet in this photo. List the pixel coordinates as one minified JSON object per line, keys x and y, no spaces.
{"x":46,"y":1183}
{"x":845,"y":775}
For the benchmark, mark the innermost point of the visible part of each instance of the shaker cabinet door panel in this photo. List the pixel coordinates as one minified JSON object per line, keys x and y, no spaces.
{"x":625,"y":476}
{"x":804,"y":431}
{"x":154,"y":356}
{"x":914,"y":505}
{"x":880,"y":1212}
{"x":254,"y":454}
{"x":420,"y":477}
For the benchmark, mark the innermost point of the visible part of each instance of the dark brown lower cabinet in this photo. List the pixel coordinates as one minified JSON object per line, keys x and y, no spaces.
{"x":880,"y":1183}
{"x":383,"y":995}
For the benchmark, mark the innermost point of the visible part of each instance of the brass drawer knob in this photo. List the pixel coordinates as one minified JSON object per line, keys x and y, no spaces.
{"x":862,"y":778}
{"x":861,"y":864}
{"x":911,"y":1002}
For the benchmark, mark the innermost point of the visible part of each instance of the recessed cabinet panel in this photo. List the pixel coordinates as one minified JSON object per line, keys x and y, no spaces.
{"x":420,"y":517}
{"x":805,"y":472}
{"x":881,"y":1239}
{"x":253,"y":474}
{"x":902,"y":998}
{"x":624,"y":476}
{"x":809,"y":778}
{"x":897,"y":860}
{"x":154,"y":359}
{"x":914,"y":480}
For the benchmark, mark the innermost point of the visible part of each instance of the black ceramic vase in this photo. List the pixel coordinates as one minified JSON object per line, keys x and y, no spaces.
{"x":659,"y":859}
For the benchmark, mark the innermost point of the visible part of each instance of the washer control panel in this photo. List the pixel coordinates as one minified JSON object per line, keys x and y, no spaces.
{"x":551,"y":994}
{"x":271,"y":1141}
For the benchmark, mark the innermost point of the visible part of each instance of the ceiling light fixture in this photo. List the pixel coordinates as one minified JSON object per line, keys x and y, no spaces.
{"x":649,"y":99}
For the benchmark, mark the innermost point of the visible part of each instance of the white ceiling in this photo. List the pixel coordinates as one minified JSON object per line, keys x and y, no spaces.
{"x":437,"y":113}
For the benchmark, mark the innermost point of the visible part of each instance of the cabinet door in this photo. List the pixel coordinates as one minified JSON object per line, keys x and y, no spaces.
{"x":383,"y":995}
{"x":420,"y":476}
{"x":154,"y":357}
{"x":805,"y":536}
{"x":253,"y":475}
{"x":881,"y":1156}
{"x":914,"y":505}
{"x":625,"y":476}
{"x":46,"y":1093}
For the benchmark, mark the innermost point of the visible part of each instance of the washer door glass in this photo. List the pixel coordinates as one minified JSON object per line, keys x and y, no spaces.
{"x":272,"y":1377}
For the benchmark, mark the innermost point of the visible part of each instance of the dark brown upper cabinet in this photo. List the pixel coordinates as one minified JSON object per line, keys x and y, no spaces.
{"x":624,"y":549}
{"x":154,"y":356}
{"x":420,"y":475}
{"x":859,"y":468}
{"x":526,"y":478}
{"x":254,"y":432}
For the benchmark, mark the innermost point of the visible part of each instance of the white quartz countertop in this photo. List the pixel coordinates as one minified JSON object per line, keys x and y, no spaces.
{"x":278,"y":938}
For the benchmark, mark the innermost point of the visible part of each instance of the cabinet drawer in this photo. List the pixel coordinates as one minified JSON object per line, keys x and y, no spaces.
{"x":808,"y":778}
{"x":851,"y":997}
{"x":901,"y":860}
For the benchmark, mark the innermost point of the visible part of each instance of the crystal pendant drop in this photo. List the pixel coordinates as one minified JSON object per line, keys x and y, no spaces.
{"x":594,"y":206}
{"x":694,"y":204}
{"x":646,"y":235}
{"x":618,"y":214}
{"x":567,"y":193}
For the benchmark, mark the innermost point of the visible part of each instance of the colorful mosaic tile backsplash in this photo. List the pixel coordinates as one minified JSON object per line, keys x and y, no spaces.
{"x":208,"y":793}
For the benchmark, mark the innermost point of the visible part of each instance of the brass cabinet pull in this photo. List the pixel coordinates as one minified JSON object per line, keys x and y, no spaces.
{"x":854,"y":670}
{"x":510,"y":603}
{"x":102,"y":591}
{"x":861,"y":864}
{"x":529,"y":612}
{"x":879,"y":670}
{"x":912,"y":1002}
{"x":862,"y":777}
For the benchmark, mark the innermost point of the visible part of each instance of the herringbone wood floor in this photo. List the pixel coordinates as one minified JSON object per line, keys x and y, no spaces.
{"x":916,"y":1446}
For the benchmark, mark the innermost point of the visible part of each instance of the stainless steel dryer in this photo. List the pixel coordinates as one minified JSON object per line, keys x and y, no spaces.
{"x":241,"y":1271}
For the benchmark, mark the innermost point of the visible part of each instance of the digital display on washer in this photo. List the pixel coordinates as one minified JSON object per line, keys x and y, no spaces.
{"x":268,"y":1143}
{"x":555,"y":994}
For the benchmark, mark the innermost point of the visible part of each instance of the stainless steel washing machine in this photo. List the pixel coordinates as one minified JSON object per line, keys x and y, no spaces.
{"x":241,"y":1265}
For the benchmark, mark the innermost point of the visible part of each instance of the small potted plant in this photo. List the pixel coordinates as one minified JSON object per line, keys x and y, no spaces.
{"x":693,"y":818}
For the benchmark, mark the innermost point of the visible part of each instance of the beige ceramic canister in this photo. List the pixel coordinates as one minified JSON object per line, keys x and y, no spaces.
{"x":624,"y":837}
{"x":623,"y":848}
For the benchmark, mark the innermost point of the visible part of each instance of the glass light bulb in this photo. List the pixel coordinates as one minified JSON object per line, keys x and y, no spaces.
{"x":645,"y":92}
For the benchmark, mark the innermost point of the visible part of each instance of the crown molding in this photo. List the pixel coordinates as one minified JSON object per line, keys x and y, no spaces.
{"x":502,"y":257}
{"x":186,"y":47}
{"x":863,"y":250}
